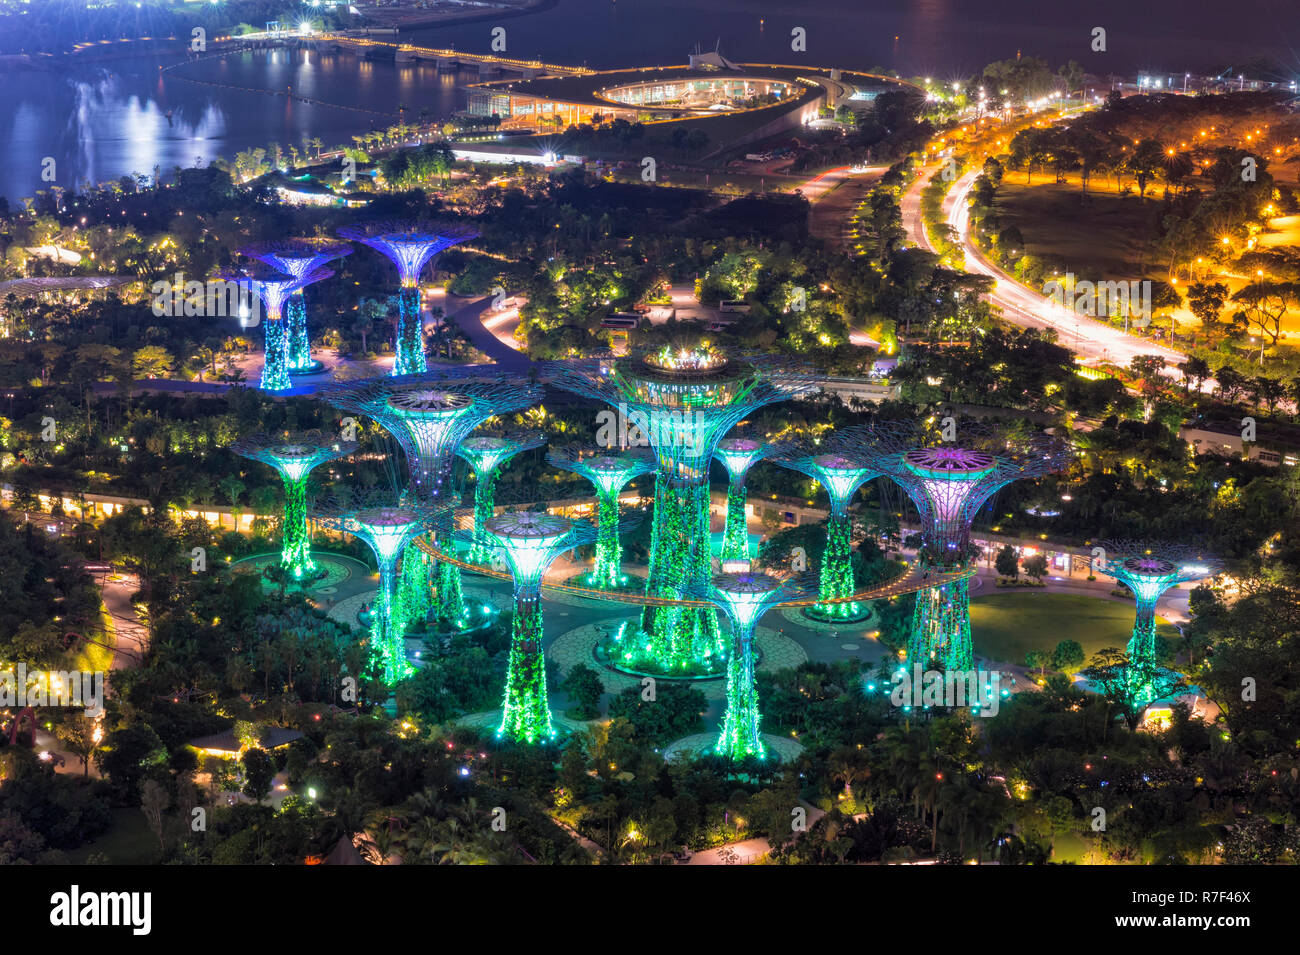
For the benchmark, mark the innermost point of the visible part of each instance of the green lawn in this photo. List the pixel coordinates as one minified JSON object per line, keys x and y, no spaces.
{"x":1005,"y":627}
{"x":127,"y":842}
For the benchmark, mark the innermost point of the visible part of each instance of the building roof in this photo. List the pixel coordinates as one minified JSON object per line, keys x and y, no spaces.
{"x":273,"y":738}
{"x":71,"y":283}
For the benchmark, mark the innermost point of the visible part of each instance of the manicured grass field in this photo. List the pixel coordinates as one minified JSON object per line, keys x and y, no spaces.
{"x":128,"y":841}
{"x":1005,"y":627}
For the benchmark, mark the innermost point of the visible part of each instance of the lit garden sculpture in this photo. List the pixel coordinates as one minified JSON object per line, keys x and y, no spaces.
{"x":608,"y":474}
{"x":300,"y":258}
{"x":683,"y":401}
{"x":409,"y":246}
{"x":274,"y":288}
{"x":949,"y":483}
{"x":744,"y":597}
{"x":1149,"y":569}
{"x":485,"y":454}
{"x":387,"y":528}
{"x":738,"y":455}
{"x":529,"y":542}
{"x":840,"y":465}
{"x":294,"y":455}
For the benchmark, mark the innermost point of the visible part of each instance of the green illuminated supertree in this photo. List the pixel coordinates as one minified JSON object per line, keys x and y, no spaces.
{"x":429,"y":416}
{"x":744,"y":597}
{"x":485,"y":454}
{"x":300,"y":258}
{"x":529,"y":542}
{"x":1148,"y":569}
{"x":841,"y":465}
{"x":294,"y":455}
{"x":409,"y":245}
{"x":273,"y":287}
{"x":387,"y":529}
{"x":738,"y":455}
{"x":608,"y":474}
{"x":683,"y":402}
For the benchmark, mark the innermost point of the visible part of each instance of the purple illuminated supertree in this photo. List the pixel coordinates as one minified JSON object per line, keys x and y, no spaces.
{"x":1148,"y":569}
{"x":738,"y":455}
{"x":409,"y":245}
{"x":300,"y":258}
{"x":949,"y":483}
{"x":485,"y":454}
{"x":273,"y":287}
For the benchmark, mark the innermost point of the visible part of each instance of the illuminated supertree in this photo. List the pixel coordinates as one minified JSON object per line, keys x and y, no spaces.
{"x":744,"y":597}
{"x":844,"y":462}
{"x":529,"y":542}
{"x":608,"y":474}
{"x":683,"y":402}
{"x":429,"y":417}
{"x":738,"y":455}
{"x":387,"y":528}
{"x":949,"y":483}
{"x":1148,"y":569}
{"x":300,"y":258}
{"x":273,"y":287}
{"x":409,"y":246}
{"x":294,"y":455}
{"x":485,"y":454}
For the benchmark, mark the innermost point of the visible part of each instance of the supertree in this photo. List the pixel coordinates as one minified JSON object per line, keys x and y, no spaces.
{"x":683,"y":402}
{"x":429,"y":417}
{"x":1148,"y":569}
{"x":387,"y":527}
{"x":738,"y":455}
{"x":529,"y":542}
{"x":949,"y":483}
{"x":409,"y":245}
{"x":485,"y":454}
{"x":273,"y":287}
{"x":294,"y":455}
{"x":300,"y":258}
{"x":608,"y":474}
{"x":841,"y":464}
{"x":744,"y":597}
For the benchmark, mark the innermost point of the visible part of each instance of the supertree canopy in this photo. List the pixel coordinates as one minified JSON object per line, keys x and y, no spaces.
{"x":949,"y":483}
{"x":485,"y":454}
{"x":683,"y":401}
{"x":409,"y":245}
{"x":744,"y":597}
{"x":844,"y":462}
{"x":273,"y":287}
{"x":300,"y":258}
{"x":738,"y":455}
{"x":294,"y":455}
{"x":387,"y":528}
{"x":608,"y":474}
{"x":529,"y":542}
{"x":1148,"y":569}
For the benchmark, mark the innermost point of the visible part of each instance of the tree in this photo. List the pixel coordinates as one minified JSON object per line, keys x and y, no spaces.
{"x":1037,"y":660}
{"x":1266,"y":304}
{"x":152,"y":361}
{"x":154,"y":799}
{"x":1068,"y":654}
{"x":78,"y":735}
{"x":1148,"y":158}
{"x":1007,"y":563}
{"x":583,"y":684}
{"x":259,"y":773}
{"x":1036,"y":566}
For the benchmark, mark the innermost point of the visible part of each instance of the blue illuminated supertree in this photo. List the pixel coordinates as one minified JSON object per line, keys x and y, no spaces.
{"x":609,"y":474}
{"x":1148,"y":569}
{"x":300,"y":258}
{"x":683,"y":402}
{"x":273,"y":287}
{"x":738,"y":455}
{"x":409,"y":245}
{"x":485,"y":454}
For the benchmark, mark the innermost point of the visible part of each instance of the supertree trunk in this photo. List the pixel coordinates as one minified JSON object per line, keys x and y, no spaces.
{"x":940,"y":635}
{"x":295,"y":547}
{"x":527,"y":714}
{"x":413,"y":601}
{"x":837,"y":567}
{"x":740,"y":737}
{"x":299,"y":345}
{"x":387,"y":647}
{"x":735,"y":541}
{"x":275,"y":374}
{"x":451,"y":598}
{"x":410,"y":335}
{"x":680,"y":636}
{"x":484,"y":507}
{"x":609,"y":552}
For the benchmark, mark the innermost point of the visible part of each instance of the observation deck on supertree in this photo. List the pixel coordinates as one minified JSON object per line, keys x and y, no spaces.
{"x":738,"y":455}
{"x":409,"y":245}
{"x":294,"y":455}
{"x":529,"y":542}
{"x":1149,"y":569}
{"x":486,"y":454}
{"x":684,"y":401}
{"x":387,"y":527}
{"x":948,"y":484}
{"x":300,"y":258}
{"x":608,"y":474}
{"x":744,"y":597}
{"x":273,"y":287}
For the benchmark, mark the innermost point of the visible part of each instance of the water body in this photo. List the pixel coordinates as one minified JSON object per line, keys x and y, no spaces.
{"x":101,"y":121}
